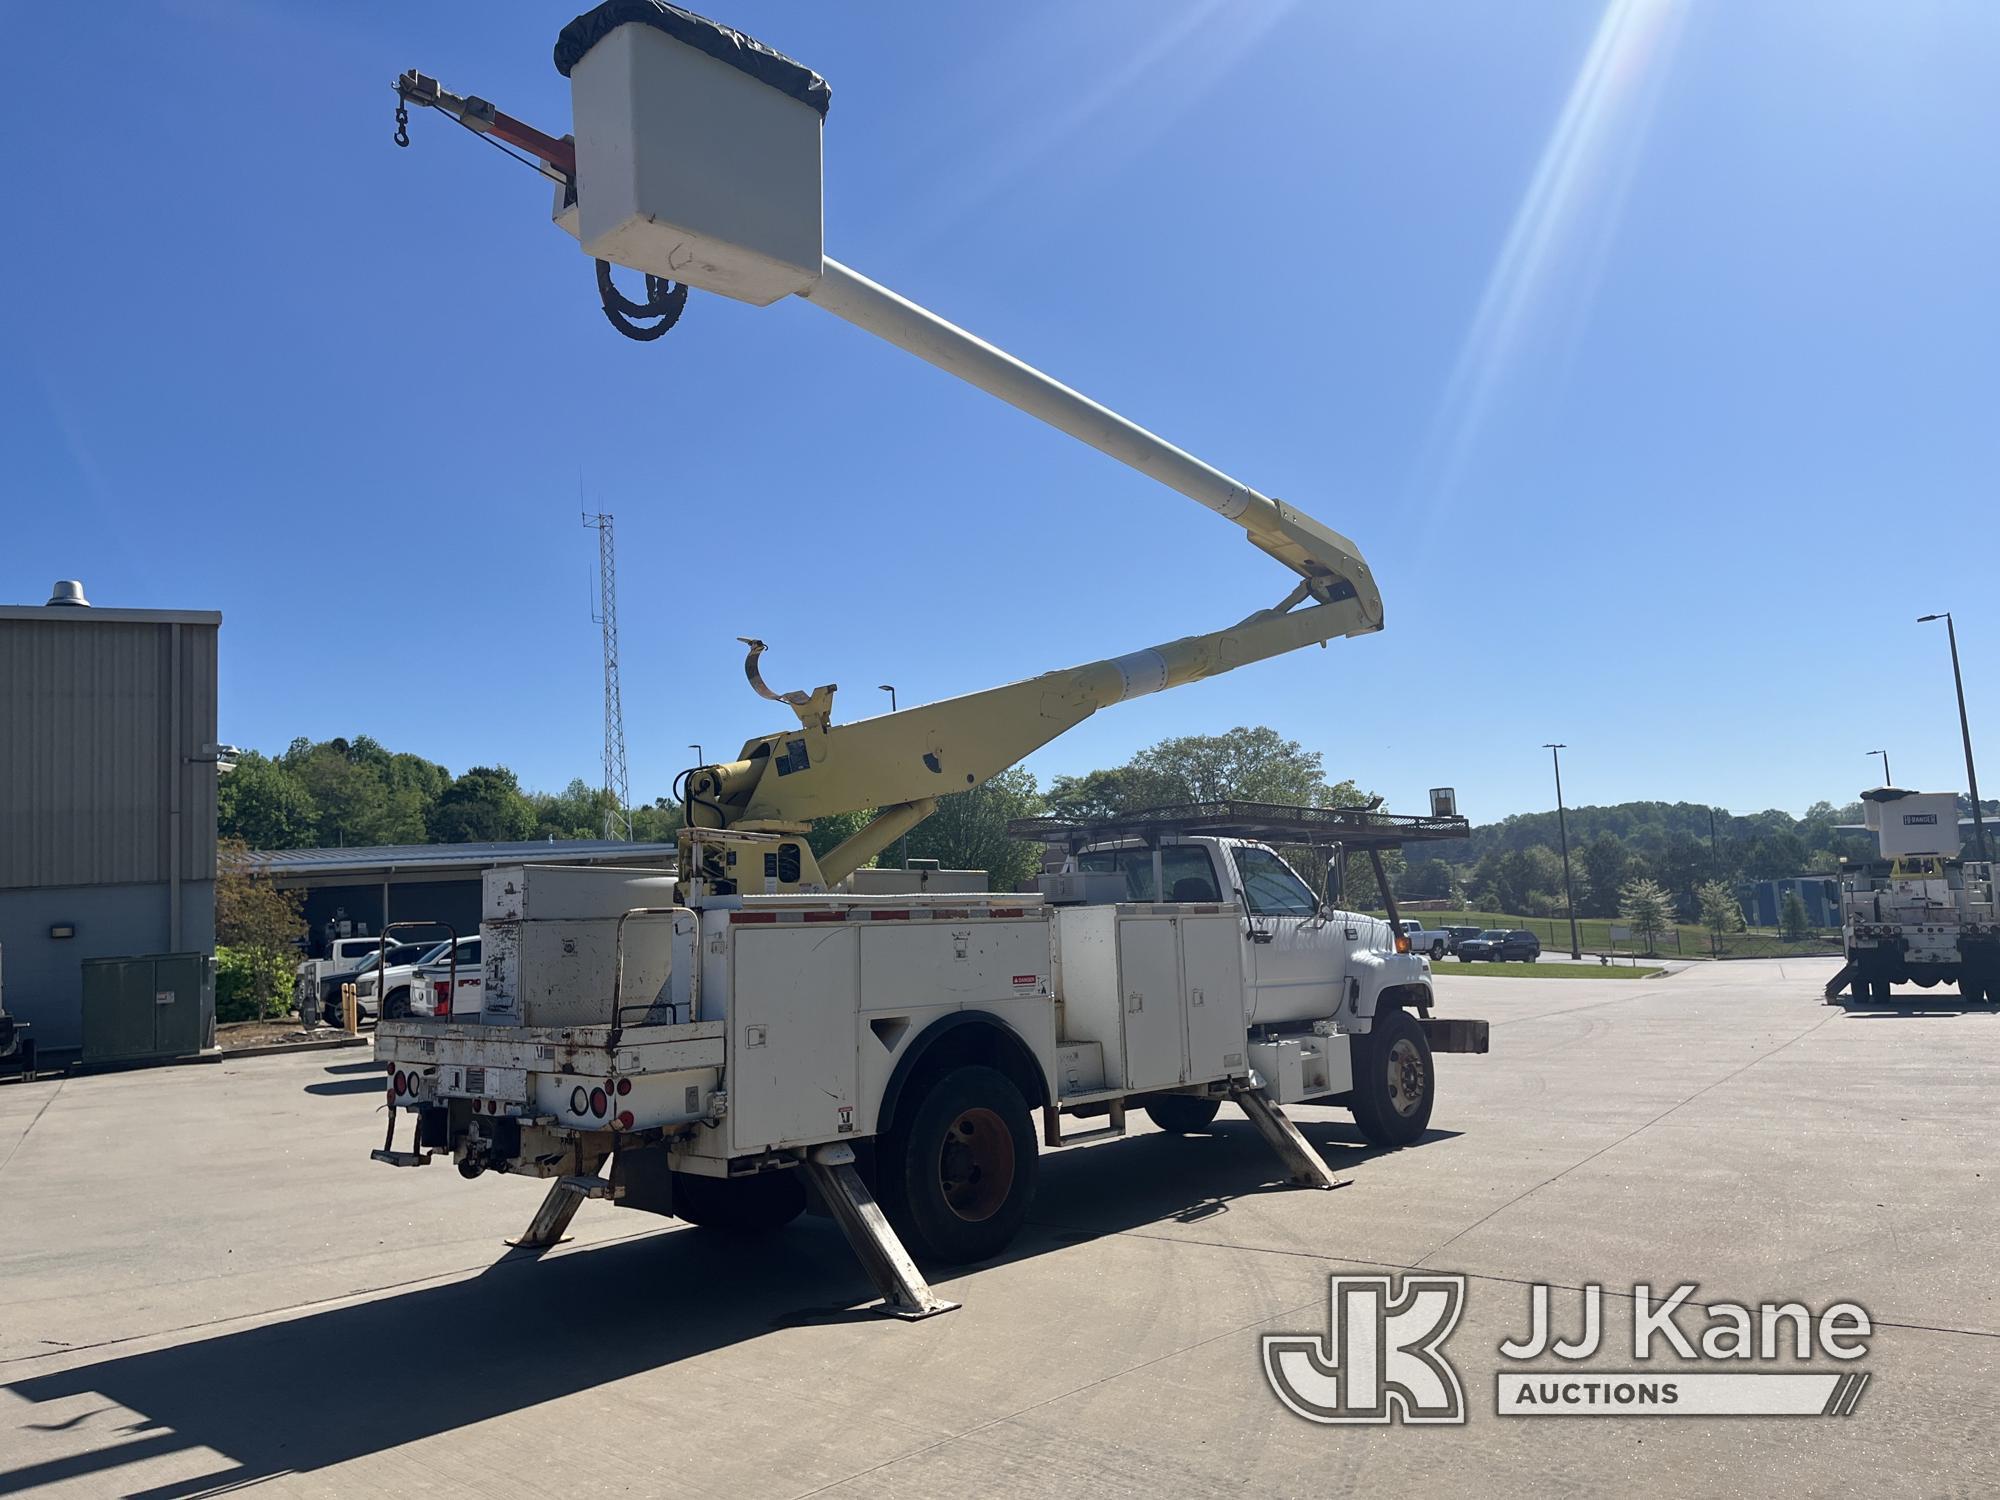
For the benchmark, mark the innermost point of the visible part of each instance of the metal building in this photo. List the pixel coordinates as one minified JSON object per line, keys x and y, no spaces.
{"x":107,"y":797}
{"x":355,"y":891}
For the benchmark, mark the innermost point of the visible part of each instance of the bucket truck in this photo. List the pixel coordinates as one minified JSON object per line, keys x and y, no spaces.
{"x":1918,"y":913}
{"x":728,"y":1033}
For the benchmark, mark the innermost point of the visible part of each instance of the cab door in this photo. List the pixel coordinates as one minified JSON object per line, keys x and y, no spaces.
{"x":1298,"y":956}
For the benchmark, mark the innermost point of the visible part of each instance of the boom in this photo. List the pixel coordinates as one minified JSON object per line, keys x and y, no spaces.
{"x":696,"y":158}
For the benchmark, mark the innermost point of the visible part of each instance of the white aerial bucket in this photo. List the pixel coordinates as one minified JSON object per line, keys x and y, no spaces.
{"x":697,"y":151}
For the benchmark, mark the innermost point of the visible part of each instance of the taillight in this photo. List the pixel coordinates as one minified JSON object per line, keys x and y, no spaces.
{"x":1402,"y":942}
{"x":598,"y":1102}
{"x":624,"y":1087}
{"x":579,"y":1101}
{"x":402,"y":1085}
{"x":625,"y":1120}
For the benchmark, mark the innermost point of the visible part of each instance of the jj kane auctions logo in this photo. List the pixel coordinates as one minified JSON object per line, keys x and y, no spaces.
{"x":1382,"y":1357}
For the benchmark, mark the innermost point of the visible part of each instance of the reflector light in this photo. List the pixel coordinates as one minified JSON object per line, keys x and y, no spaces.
{"x":625,"y":1120}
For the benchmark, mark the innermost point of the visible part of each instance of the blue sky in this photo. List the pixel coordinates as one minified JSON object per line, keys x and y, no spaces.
{"x":1647,"y":351}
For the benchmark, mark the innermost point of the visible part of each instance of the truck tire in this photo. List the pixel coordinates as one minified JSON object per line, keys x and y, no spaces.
{"x":1437,"y":950}
{"x":397,"y":1006}
{"x":956,"y":1172}
{"x":1182,"y":1114}
{"x":740,"y":1205}
{"x":1395,"y":1082}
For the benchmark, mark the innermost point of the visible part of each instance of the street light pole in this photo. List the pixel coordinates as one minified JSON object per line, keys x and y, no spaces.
{"x":1562,"y":828}
{"x":1885,"y":766}
{"x":890,"y":689}
{"x":1965,"y":732}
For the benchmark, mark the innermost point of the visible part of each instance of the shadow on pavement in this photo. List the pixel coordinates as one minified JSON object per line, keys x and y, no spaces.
{"x":369,"y":1085}
{"x":356,"y":1067}
{"x":319,"y":1390}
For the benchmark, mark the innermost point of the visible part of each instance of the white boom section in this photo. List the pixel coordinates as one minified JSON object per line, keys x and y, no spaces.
{"x":1324,"y":558}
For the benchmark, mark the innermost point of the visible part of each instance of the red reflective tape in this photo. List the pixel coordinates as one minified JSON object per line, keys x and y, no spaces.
{"x":890,"y":916}
{"x":752,"y":916}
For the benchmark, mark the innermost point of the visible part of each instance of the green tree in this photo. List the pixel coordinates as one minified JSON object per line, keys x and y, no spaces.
{"x":1720,"y":913}
{"x":257,"y":928}
{"x":1647,"y":909}
{"x":1253,"y":764}
{"x":264,"y":805}
{"x":1605,"y":871}
{"x":485,"y":803}
{"x":658,"y":822}
{"x":969,"y":831}
{"x":1794,"y":922}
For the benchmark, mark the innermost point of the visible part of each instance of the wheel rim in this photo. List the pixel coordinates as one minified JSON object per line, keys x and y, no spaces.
{"x":976,"y":1165}
{"x":1406,"y":1077}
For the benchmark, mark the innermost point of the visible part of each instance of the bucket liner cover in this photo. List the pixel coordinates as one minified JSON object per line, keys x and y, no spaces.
{"x":746,"y":54}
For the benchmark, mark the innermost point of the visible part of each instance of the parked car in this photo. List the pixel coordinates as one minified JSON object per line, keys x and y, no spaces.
{"x":1435,"y":941}
{"x":1499,"y":945}
{"x":318,"y":991}
{"x":436,"y":974}
{"x":1461,"y":934}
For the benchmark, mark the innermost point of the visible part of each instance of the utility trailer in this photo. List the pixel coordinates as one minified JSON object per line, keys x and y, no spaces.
{"x":1917,"y":913}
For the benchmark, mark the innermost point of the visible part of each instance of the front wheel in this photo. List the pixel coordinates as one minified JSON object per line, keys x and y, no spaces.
{"x":1394,"y":1080}
{"x":397,"y":1006}
{"x":1182,"y":1114}
{"x":957,"y":1171}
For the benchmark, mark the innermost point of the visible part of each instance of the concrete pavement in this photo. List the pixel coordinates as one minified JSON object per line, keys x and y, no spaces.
{"x":204,"y":1283}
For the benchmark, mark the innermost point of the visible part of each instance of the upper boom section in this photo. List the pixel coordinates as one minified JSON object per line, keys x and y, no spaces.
{"x":698,"y":159}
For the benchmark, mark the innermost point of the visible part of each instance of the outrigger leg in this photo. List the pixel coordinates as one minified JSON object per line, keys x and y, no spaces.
{"x":550,"y":1225}
{"x":905,"y":1293}
{"x":1306,"y":1166}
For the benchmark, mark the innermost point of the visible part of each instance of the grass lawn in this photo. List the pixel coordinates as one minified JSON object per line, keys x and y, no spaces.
{"x":1675,"y":942}
{"x":1452,"y":966}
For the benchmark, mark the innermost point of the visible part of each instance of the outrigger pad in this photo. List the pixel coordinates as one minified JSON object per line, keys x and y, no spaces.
{"x":723,"y":43}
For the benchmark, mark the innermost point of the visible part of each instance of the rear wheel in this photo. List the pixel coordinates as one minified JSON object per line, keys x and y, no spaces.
{"x":1437,"y":950}
{"x":1182,"y":1114}
{"x":957,"y":1170}
{"x":1394,"y":1080}
{"x":739,"y":1205}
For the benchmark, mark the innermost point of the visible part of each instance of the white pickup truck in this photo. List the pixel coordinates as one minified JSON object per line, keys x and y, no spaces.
{"x":1428,"y":941}
{"x":711,"y":1045}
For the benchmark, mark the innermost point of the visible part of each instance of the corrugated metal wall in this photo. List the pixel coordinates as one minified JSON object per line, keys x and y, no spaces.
{"x":90,"y":753}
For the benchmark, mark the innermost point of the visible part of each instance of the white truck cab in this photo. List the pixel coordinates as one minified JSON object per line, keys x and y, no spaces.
{"x":1302,"y":960}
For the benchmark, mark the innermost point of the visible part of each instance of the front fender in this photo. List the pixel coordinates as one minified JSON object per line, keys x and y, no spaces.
{"x":1371,"y":975}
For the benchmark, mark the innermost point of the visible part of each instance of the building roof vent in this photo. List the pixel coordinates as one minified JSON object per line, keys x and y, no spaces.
{"x":69,"y":591}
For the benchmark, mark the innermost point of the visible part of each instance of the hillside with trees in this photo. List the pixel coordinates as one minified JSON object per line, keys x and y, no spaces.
{"x":357,"y":793}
